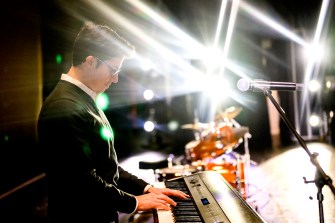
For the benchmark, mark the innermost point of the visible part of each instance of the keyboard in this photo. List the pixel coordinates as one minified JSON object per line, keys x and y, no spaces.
{"x":212,"y":200}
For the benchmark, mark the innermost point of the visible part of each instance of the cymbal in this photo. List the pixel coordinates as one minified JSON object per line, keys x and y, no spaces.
{"x":199,"y":126}
{"x":229,"y":113}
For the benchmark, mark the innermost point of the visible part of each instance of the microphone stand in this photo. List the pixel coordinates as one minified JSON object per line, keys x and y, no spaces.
{"x":321,"y":178}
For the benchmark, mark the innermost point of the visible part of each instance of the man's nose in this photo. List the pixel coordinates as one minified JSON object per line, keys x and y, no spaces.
{"x":115,"y":78}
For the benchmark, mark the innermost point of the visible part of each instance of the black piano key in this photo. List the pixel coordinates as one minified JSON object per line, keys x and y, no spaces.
{"x":186,"y":213}
{"x":179,"y":205}
{"x":184,"y":208}
{"x":180,"y":200}
{"x":187,"y":218}
{"x":184,"y":199}
{"x":183,"y":204}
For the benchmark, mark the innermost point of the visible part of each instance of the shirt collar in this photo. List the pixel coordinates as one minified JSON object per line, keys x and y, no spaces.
{"x":82,"y":86}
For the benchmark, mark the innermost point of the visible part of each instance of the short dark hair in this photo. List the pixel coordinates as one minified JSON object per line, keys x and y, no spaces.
{"x":99,"y":41}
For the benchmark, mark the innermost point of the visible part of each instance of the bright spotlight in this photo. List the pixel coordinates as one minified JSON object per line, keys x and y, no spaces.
{"x":217,"y":88}
{"x":149,"y":126}
{"x":212,"y":57}
{"x":173,"y":125}
{"x":314,"y":120}
{"x":314,"y":53}
{"x":314,"y":85}
{"x":328,"y":84}
{"x":146,"y":65}
{"x":148,"y":94}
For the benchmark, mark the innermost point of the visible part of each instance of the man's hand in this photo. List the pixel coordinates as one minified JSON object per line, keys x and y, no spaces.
{"x":168,"y":192}
{"x":158,"y":198}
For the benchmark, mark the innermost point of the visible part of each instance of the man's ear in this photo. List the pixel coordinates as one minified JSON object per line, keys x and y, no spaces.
{"x":90,"y":60}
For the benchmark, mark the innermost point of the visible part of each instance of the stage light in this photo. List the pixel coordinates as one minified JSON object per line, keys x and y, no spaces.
{"x":102,"y":101}
{"x":314,"y":121}
{"x":314,"y":53}
{"x":146,"y":65}
{"x":314,"y":85}
{"x":189,"y":44}
{"x":59,"y":58}
{"x":315,"y":47}
{"x":149,"y":126}
{"x":212,"y":57}
{"x":230,"y":28}
{"x":272,"y":23}
{"x":217,"y":89}
{"x":328,"y":84}
{"x":220,"y":22}
{"x":173,"y":125}
{"x":148,"y":94}
{"x":106,"y":133}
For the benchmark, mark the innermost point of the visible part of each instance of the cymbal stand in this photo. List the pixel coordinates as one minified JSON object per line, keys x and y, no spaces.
{"x":246,"y":156}
{"x":321,"y":178}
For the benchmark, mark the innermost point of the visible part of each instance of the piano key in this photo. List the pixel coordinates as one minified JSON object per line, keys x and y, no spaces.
{"x":186,"y":213}
{"x":164,"y":217}
{"x":187,"y":218}
{"x":185,"y":208}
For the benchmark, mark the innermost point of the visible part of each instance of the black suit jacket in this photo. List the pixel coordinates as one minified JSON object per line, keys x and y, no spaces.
{"x":85,"y":182}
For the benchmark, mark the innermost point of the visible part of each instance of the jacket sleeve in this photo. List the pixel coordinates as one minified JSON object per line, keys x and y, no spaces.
{"x":130,"y":183}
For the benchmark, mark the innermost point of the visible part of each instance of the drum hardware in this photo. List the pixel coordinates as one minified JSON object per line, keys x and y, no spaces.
{"x":200,"y":129}
{"x":198,"y":126}
{"x":174,"y":171}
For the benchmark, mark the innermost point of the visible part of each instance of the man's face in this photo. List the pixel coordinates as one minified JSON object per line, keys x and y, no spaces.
{"x":106,"y":73}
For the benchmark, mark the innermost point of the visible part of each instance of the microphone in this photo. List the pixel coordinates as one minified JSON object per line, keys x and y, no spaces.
{"x":260,"y":85}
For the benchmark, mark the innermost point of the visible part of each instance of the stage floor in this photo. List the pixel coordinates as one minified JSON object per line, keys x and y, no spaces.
{"x":278,"y":190}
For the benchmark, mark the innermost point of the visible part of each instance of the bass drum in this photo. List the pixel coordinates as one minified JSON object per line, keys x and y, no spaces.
{"x":219,"y":141}
{"x":207,"y":149}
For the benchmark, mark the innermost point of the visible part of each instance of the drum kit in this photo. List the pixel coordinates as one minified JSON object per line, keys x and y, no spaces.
{"x":214,"y":149}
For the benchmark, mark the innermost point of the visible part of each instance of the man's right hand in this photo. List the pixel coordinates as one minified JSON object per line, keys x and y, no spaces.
{"x":151,"y":201}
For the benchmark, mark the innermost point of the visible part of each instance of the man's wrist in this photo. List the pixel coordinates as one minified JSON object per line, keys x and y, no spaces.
{"x":146,"y":189}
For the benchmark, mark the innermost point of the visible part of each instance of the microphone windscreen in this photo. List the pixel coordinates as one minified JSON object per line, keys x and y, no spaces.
{"x":243,"y":85}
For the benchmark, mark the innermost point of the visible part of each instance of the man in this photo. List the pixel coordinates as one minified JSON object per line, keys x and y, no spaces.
{"x":85,"y":181}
